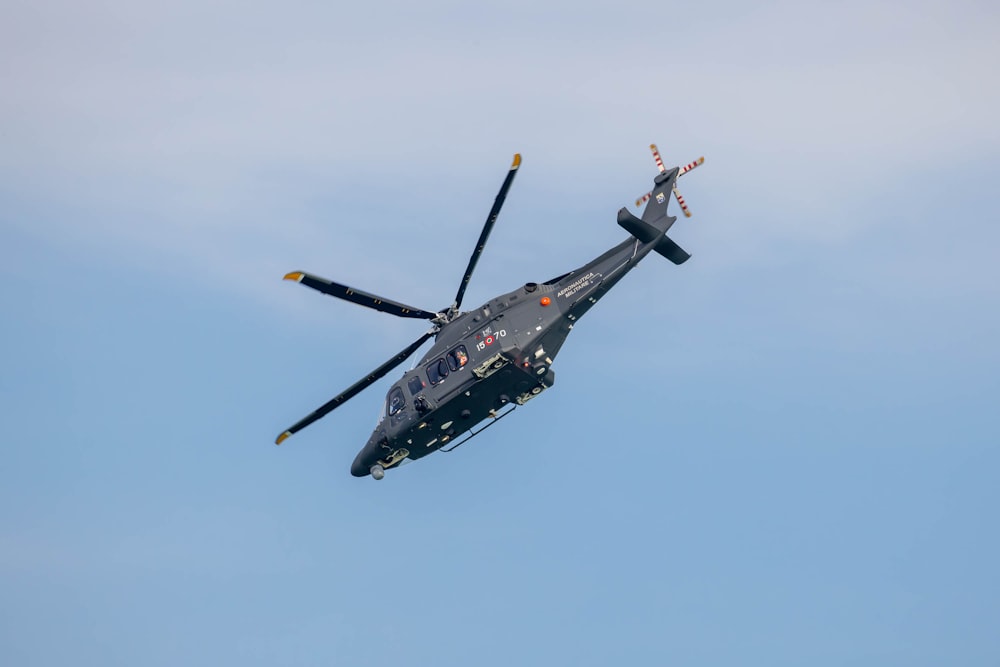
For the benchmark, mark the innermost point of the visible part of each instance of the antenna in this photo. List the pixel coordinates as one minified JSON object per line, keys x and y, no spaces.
{"x":683,"y":170}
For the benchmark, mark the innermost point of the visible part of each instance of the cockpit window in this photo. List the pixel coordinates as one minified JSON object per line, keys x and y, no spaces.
{"x":457,"y":358}
{"x":395,"y":402}
{"x":415,"y":385}
{"x":437,"y":370}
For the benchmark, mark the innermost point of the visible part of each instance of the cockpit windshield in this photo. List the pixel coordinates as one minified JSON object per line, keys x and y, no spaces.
{"x":395,"y":401}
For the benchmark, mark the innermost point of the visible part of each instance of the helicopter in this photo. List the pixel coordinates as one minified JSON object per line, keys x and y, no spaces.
{"x":487,"y":361}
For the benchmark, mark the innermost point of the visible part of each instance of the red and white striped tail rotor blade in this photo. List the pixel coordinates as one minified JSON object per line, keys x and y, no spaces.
{"x":680,"y":172}
{"x":656,"y":156}
{"x":680,"y":200}
{"x":688,"y":167}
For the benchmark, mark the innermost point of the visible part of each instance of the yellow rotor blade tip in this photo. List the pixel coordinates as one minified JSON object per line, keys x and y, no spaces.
{"x":517,"y":161}
{"x":282,"y":437}
{"x":294,"y":275}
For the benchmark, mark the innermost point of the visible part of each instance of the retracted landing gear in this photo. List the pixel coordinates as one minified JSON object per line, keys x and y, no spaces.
{"x":378,"y":472}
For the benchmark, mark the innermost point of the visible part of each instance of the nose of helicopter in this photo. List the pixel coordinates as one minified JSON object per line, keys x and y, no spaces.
{"x":368,"y":456}
{"x":358,"y":468}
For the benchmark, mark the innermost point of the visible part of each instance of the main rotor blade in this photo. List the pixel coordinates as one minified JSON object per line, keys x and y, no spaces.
{"x":354,"y":389}
{"x":487,"y":228}
{"x":359,"y":297}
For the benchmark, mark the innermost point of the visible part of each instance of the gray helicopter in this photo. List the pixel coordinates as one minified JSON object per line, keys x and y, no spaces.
{"x":487,"y":361}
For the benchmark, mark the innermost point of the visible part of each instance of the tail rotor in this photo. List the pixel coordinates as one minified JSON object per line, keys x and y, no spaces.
{"x":683,"y":170}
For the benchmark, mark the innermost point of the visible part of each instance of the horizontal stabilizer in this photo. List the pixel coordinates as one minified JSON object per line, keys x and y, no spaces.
{"x":672,"y":251}
{"x":647,"y":233}
{"x":640,"y":229}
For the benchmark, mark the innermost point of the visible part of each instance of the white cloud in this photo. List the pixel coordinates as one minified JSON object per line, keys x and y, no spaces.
{"x":225,"y":137}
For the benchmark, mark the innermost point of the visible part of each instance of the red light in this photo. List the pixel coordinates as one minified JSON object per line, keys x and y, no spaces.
{"x":545,"y":301}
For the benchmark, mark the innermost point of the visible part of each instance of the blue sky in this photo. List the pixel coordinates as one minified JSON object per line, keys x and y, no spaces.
{"x":783,"y":452}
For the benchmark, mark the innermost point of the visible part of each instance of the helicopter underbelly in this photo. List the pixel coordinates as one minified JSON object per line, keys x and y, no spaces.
{"x":501,"y":383}
{"x":474,"y":403}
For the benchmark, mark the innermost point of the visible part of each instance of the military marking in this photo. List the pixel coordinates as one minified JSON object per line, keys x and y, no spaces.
{"x":490,"y":338}
{"x":578,"y":285}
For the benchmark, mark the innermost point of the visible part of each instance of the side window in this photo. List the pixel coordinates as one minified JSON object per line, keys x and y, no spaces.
{"x":415,"y":385}
{"x":396,"y":402}
{"x":457,"y":358}
{"x":437,"y":370}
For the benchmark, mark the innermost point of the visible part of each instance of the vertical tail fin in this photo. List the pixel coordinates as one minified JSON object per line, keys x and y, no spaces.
{"x":655,"y":222}
{"x":655,"y":212}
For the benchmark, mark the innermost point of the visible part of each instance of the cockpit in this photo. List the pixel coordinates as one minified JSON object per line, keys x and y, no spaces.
{"x":395,"y":401}
{"x":433,"y":374}
{"x":395,"y":407}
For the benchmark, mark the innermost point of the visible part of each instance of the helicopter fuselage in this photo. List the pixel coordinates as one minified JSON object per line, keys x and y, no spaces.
{"x":488,"y":358}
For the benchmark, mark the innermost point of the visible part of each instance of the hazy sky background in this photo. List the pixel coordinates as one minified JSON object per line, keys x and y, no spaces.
{"x":783,"y":452}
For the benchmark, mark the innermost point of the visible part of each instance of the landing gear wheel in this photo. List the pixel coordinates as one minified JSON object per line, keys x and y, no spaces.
{"x":378,"y":472}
